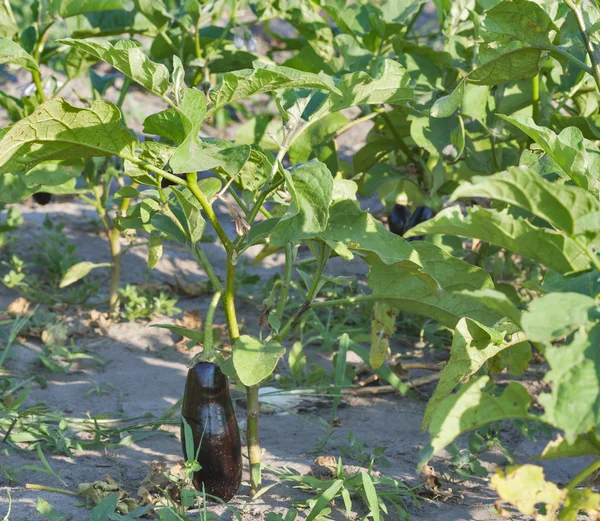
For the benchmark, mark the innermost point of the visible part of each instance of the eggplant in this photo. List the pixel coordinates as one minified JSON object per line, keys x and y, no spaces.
{"x":398,"y":219}
{"x":208,"y":409}
{"x":42,"y":198}
{"x":421,"y":214}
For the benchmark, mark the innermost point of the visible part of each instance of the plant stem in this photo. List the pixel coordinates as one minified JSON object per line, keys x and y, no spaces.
{"x":587,"y":471}
{"x":571,"y":58}
{"x":114,"y":239}
{"x":287,"y":278}
{"x":43,"y":488}
{"x":35,"y":75}
{"x":401,"y":144}
{"x":252,"y":438}
{"x":192,"y":184}
{"x":535,"y":98}
{"x":353,"y":123}
{"x":586,"y":40}
{"x":208,"y":269}
{"x":208,"y":322}
{"x":229,"y":303}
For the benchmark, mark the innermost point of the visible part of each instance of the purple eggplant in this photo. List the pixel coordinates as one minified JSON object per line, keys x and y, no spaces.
{"x":208,"y":409}
{"x":398,"y":219}
{"x":42,"y":198}
{"x":421,"y":214}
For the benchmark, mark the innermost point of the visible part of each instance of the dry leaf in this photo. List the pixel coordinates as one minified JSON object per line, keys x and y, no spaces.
{"x":19,"y":306}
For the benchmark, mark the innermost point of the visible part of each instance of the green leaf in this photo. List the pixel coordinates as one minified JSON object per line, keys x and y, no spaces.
{"x":324,"y":499}
{"x":498,"y":67}
{"x":388,"y":85}
{"x":126,"y":192}
{"x":520,"y":20}
{"x":13,"y":53}
{"x":470,"y":408}
{"x":567,"y":149}
{"x":249,"y":82}
{"x":8,"y":23}
{"x":497,"y":301}
{"x":127,"y":57}
{"x":104,"y":509}
{"x":525,"y":487}
{"x":371,"y":495}
{"x":361,"y":232}
{"x":473,"y":345}
{"x":310,"y":186}
{"x":48,"y":511}
{"x":66,"y":8}
{"x":58,"y":130}
{"x":193,"y":110}
{"x":397,"y":285}
{"x":254,"y":360}
{"x":574,"y":403}
{"x":557,"y":315}
{"x":193,"y":334}
{"x":561,"y":448}
{"x":568,"y":208}
{"x":545,"y":245}
{"x":448,"y":105}
{"x":192,"y":221}
{"x":579,"y":500}
{"x":79,"y":271}
{"x":383,"y":325}
{"x":155,"y":251}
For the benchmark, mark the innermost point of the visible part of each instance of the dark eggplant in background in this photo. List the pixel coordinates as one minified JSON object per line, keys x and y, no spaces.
{"x":400,"y":220}
{"x":208,"y":409}
{"x":42,"y":198}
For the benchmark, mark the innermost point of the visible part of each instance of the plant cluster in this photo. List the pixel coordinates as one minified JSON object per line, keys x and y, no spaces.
{"x":487,"y":115}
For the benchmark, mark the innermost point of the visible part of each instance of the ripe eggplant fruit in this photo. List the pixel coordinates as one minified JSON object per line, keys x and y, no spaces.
{"x":421,"y":214}
{"x":398,"y":219}
{"x":42,"y":198}
{"x":208,"y":409}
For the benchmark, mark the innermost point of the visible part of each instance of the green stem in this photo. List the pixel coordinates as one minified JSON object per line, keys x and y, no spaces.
{"x":535,"y":98}
{"x":353,"y":123}
{"x":35,"y":75}
{"x":44,"y":488}
{"x":414,"y":20}
{"x":252,"y":438}
{"x":208,"y":269}
{"x":114,"y":238}
{"x":586,"y":40}
{"x":208,"y":322}
{"x":587,"y":471}
{"x":229,"y":303}
{"x":192,"y":184}
{"x":124,"y":90}
{"x":287,"y":278}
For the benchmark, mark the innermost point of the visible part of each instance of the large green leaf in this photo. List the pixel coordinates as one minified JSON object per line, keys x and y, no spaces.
{"x":473,"y":345}
{"x":66,"y":8}
{"x":254,"y":359}
{"x":472,"y":407}
{"x":498,"y":67}
{"x":561,"y":448}
{"x":557,"y":315}
{"x":574,"y":403}
{"x":521,"y":20}
{"x":388,"y":85}
{"x":567,"y":149}
{"x":13,"y":53}
{"x":310,"y":186}
{"x":497,"y":301}
{"x":568,"y":208}
{"x":249,"y":82}
{"x":397,"y":285}
{"x":518,"y":235}
{"x":58,"y":130}
{"x":127,"y":57}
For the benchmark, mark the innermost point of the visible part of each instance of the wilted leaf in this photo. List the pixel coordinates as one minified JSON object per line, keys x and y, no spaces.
{"x":383,"y":325}
{"x":78,"y":271}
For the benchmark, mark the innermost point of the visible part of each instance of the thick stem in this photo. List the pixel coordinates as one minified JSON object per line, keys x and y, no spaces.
{"x":252,"y":438}
{"x":229,"y":303}
{"x":35,"y":75}
{"x":586,"y":472}
{"x":208,"y":322}
{"x":114,"y":239}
